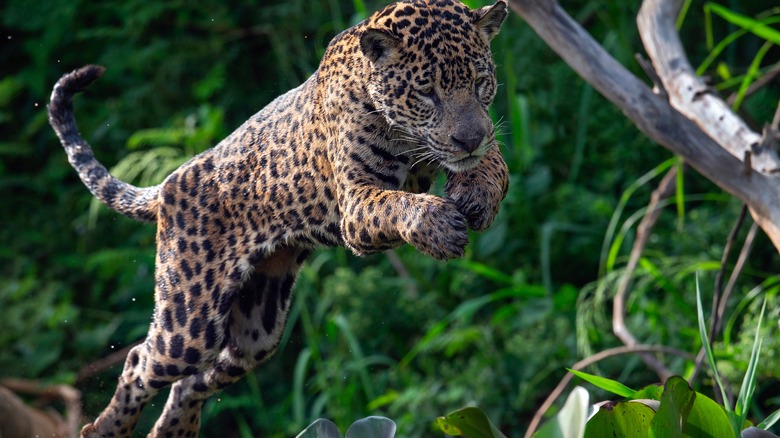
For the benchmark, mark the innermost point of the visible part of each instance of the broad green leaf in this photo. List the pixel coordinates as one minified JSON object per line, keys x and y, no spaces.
{"x":620,"y":419}
{"x":652,"y":392}
{"x":374,"y":427}
{"x":470,"y":422}
{"x":676,"y":403}
{"x":707,"y":419}
{"x":605,"y":384}
{"x":447,"y":427}
{"x":320,"y":428}
{"x":570,"y":422}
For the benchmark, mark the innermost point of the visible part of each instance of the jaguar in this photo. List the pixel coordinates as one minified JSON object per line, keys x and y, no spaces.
{"x":345,"y":159}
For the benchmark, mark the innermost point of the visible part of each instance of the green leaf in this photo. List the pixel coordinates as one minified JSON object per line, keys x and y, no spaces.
{"x":707,"y":419}
{"x":652,"y":392}
{"x":605,"y":384}
{"x":749,"y":382}
{"x":754,"y":26}
{"x":705,"y":340}
{"x":571,"y":420}
{"x":447,"y":427}
{"x":721,"y":46}
{"x":470,"y":422}
{"x":484,"y":270}
{"x":752,"y":74}
{"x":610,"y":249}
{"x":621,"y":419}
{"x":770,"y":420}
{"x":375,"y":427}
{"x":320,"y":428}
{"x":676,"y":403}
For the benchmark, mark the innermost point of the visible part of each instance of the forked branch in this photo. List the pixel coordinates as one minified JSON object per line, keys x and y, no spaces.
{"x":717,"y":158}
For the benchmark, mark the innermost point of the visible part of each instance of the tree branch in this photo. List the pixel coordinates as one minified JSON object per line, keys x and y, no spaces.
{"x":654,"y":115}
{"x":665,"y":189}
{"x":20,"y":420}
{"x":688,"y":93}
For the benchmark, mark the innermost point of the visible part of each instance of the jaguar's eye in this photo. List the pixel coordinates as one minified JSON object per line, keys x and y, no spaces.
{"x":479,"y":80}
{"x":426,"y":91}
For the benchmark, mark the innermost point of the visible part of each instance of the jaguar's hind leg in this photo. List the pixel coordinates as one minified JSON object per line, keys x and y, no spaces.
{"x":254,"y":327}
{"x":132,"y":393}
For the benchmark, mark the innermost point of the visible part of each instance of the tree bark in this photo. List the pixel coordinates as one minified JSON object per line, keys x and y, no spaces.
{"x":728,"y":154}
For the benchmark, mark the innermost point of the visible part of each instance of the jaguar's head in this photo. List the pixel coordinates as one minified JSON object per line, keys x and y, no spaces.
{"x":433,"y":77}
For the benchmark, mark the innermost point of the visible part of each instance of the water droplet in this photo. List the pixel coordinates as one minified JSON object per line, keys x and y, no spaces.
{"x":112,"y":347}
{"x":36,"y":104}
{"x":9,"y":37}
{"x":133,"y":299}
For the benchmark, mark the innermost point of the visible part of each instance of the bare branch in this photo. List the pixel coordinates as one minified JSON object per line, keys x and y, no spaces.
{"x":400,"y":269}
{"x":656,"y":117}
{"x":18,"y":419}
{"x":688,"y":93}
{"x":101,"y":364}
{"x":665,"y":189}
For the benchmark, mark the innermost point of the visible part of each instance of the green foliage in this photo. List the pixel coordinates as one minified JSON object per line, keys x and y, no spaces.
{"x":397,"y":334}
{"x":605,"y":384}
{"x":379,"y":427}
{"x":676,"y":410}
{"x":469,"y":422}
{"x":738,"y":414}
{"x":572,"y":419}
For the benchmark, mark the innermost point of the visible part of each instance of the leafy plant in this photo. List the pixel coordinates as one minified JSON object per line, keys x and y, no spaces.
{"x":469,"y":422}
{"x":676,"y":410}
{"x":374,"y":427}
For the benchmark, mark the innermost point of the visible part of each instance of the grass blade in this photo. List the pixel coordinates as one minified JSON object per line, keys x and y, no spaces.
{"x":753,"y":26}
{"x":749,"y":382}
{"x":711,"y":359}
{"x":770,"y":420}
{"x":606,"y":266}
{"x":751,"y":75}
{"x":610,"y":385}
{"x":680,"y":193}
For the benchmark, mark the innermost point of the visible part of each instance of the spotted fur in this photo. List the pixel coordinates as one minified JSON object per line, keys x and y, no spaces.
{"x":344,"y":159}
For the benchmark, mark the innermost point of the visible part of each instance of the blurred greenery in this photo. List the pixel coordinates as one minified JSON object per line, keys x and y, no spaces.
{"x":398,"y":335}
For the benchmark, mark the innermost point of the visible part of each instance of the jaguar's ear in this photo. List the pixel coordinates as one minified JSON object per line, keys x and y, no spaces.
{"x":489,"y":18}
{"x":378,"y":45}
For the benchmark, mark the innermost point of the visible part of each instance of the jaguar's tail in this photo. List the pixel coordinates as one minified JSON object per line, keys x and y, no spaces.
{"x":134,"y":202}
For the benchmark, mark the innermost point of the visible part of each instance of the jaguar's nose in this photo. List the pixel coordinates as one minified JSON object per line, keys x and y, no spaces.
{"x":468,"y":141}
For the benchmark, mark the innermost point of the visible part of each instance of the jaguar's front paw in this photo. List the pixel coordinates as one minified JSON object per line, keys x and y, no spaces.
{"x":437,"y":228}
{"x":476,"y":203}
